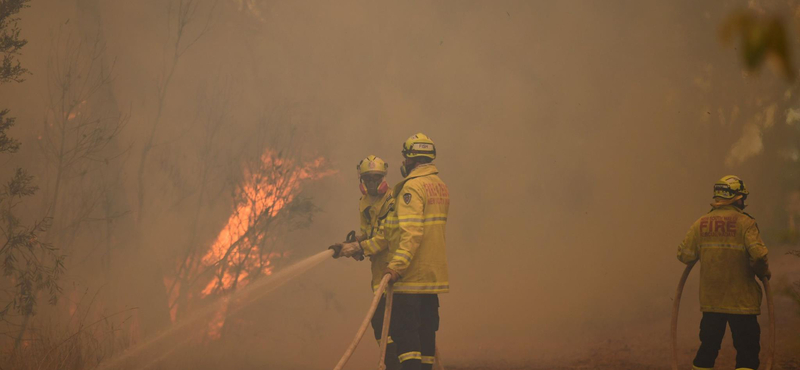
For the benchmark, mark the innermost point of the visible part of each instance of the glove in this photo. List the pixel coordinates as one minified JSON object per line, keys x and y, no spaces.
{"x":761,"y":268}
{"x":337,"y":249}
{"x":352,"y":250}
{"x":394,"y":275}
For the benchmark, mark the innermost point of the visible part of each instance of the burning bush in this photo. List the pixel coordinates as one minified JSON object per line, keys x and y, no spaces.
{"x":267,"y":204}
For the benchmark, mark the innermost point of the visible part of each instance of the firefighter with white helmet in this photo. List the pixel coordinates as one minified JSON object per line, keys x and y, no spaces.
{"x":414,"y":235}
{"x":728,"y":245}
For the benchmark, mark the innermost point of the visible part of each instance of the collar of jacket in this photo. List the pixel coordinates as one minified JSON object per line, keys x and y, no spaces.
{"x":422,"y":170}
{"x":369,"y":201}
{"x":727,"y":207}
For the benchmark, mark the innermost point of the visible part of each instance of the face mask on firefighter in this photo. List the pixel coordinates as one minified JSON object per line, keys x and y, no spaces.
{"x":404,"y":169}
{"x":373,"y":184}
{"x":407,"y":166}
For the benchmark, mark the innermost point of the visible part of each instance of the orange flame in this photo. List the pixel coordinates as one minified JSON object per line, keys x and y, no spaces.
{"x":76,"y":112}
{"x":267,"y":190}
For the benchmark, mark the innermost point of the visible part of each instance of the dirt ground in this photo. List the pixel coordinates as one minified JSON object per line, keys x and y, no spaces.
{"x":618,"y":356}
{"x":645,"y":346}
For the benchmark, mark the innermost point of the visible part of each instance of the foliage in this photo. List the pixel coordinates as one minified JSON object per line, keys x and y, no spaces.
{"x":760,"y":38}
{"x":87,"y":337}
{"x":29,"y":263}
{"x":7,"y":144}
{"x":10,"y":42}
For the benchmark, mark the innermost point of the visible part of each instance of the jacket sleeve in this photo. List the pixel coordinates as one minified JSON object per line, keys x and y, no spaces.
{"x":688,"y":250}
{"x":755,"y":248}
{"x":410,"y":217}
{"x":376,"y":243}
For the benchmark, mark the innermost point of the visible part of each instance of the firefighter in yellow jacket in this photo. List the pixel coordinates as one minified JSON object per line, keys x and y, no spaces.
{"x":727,"y":243}
{"x":414,"y":235}
{"x":373,"y":209}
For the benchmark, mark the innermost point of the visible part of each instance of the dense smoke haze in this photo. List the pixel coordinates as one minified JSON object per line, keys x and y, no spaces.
{"x":579,"y":141}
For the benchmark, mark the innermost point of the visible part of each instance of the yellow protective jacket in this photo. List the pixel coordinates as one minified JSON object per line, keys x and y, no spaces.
{"x":730,"y":250}
{"x":373,"y":212}
{"x":414,"y":233}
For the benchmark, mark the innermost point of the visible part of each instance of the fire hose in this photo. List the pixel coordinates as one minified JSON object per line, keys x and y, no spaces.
{"x":365,"y":323}
{"x":387,"y":318}
{"x":677,"y":304}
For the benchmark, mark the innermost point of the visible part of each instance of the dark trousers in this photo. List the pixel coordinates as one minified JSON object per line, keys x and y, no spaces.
{"x":415,"y":320}
{"x":390,"y":361}
{"x":746,"y":339}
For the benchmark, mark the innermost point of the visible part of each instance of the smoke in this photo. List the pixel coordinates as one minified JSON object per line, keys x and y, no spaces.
{"x":751,"y":143}
{"x":579,"y":141}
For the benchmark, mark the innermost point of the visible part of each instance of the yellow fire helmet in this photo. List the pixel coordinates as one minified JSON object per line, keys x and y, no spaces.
{"x":419,"y":145}
{"x":729,"y":187}
{"x":372,"y":164}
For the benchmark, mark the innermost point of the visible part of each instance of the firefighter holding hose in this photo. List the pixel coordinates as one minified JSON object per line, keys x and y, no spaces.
{"x":373,"y":208}
{"x":414,"y":236}
{"x":727,"y":243}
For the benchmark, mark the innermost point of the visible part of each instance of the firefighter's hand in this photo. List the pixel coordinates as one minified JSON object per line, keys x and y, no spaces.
{"x":337,"y":250}
{"x":394,"y":275}
{"x":352,"y":250}
{"x":765,"y":276}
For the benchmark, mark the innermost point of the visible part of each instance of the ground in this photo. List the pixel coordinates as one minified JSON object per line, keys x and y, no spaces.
{"x":645,"y":346}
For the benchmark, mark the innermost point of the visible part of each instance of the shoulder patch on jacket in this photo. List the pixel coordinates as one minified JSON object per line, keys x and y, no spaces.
{"x":407,"y":198}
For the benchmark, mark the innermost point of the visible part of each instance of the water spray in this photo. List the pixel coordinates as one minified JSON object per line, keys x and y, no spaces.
{"x":677,"y":304}
{"x":248,"y":295}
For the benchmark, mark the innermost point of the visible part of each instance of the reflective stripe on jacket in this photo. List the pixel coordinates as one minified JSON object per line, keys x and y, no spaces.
{"x":373,"y":212}
{"x":414,"y":233}
{"x":730,"y":250}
